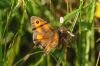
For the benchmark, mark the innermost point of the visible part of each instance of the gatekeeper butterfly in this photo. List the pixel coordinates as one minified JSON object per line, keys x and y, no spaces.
{"x":43,"y":35}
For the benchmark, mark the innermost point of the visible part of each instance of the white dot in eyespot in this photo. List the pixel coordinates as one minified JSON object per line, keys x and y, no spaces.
{"x":61,"y":19}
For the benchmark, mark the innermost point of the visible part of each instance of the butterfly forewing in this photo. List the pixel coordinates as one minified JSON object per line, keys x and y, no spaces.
{"x":43,"y":35}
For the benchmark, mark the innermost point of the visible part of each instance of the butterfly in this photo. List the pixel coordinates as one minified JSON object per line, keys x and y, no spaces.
{"x":44,"y":36}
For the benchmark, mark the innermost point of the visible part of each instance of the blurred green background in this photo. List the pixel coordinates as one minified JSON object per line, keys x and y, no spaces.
{"x":17,"y":47}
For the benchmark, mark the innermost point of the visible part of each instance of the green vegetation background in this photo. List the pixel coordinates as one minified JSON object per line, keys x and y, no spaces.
{"x":16,"y":45}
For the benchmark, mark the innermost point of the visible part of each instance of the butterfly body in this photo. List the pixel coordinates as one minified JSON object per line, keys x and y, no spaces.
{"x":43,"y":35}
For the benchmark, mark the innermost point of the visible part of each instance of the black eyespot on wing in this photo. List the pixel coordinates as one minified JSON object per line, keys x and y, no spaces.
{"x":37,"y":22}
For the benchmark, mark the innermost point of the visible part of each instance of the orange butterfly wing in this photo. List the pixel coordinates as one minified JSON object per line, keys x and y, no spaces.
{"x":43,"y":35}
